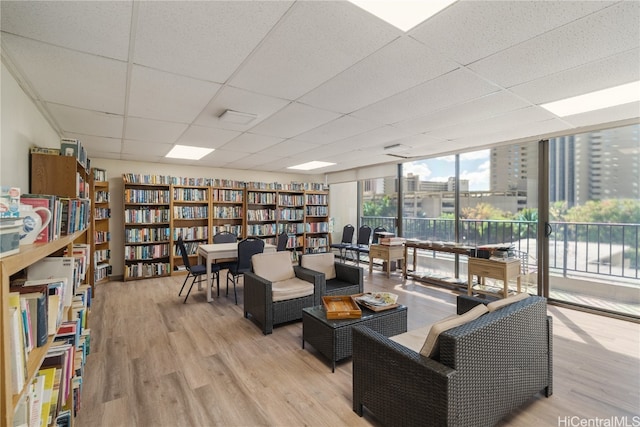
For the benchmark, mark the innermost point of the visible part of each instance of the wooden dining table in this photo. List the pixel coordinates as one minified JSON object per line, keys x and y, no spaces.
{"x":220,"y":251}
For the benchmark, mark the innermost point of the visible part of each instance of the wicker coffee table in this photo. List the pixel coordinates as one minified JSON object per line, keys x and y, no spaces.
{"x":333,"y":338}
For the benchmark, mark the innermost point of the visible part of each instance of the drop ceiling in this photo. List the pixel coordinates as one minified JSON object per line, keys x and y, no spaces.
{"x":326,"y":80}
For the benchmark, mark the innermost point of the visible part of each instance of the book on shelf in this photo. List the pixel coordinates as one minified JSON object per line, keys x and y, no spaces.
{"x":17,"y":349}
{"x":54,"y":289}
{"x":38,"y":317}
{"x":56,"y":268}
{"x":36,"y":397}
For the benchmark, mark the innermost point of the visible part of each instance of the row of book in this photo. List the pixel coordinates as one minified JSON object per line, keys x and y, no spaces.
{"x":67,"y":215}
{"x":147,"y":235}
{"x":191,"y":233}
{"x":190,"y":212}
{"x":229,"y":228}
{"x":147,"y":269}
{"x":147,"y":215}
{"x":49,"y":308}
{"x":132,"y":178}
{"x":132,"y":195}
{"x":190,"y":194}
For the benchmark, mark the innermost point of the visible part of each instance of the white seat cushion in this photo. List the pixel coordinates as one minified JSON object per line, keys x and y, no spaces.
{"x":493,"y":306}
{"x":291,"y":288}
{"x":322,"y":263}
{"x":431,"y":347}
{"x":273,"y":266}
{"x":413,"y":339}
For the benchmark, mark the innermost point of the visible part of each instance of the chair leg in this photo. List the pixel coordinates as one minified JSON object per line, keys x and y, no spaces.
{"x":184,"y":283}
{"x":189,"y":291}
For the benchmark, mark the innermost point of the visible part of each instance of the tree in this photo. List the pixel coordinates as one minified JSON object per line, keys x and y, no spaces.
{"x":379,"y":207}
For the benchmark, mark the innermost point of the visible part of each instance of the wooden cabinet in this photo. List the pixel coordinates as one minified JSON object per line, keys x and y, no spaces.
{"x":63,"y":176}
{"x":101,"y":236}
{"x":147,"y":239}
{"x":190,"y":207}
{"x":316,"y":219}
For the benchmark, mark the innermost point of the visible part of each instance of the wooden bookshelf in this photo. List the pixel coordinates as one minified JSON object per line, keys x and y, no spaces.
{"x":147,"y":222}
{"x":101,"y":236}
{"x":261,"y":214}
{"x":291,"y":219}
{"x":316,"y":220}
{"x":228,"y":210}
{"x":190,"y":219}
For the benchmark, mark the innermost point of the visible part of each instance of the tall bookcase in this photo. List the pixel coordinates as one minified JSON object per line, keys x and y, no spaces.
{"x":147,"y":236}
{"x":290,"y":210}
{"x":190,"y":207}
{"x":101,"y":198}
{"x":261,"y":214}
{"x":10,"y":267}
{"x":316,"y":220}
{"x":228,"y":208}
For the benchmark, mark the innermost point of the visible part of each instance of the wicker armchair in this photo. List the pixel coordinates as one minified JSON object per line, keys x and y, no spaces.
{"x":275,"y":291}
{"x":486,"y":368}
{"x":340,"y":278}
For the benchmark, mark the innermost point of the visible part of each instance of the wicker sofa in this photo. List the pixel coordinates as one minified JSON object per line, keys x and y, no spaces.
{"x":340,"y":279}
{"x":485,"y":369}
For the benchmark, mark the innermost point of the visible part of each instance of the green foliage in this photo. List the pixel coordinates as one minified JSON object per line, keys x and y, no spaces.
{"x":483,"y":211}
{"x":379,"y":207}
{"x":622,"y":211}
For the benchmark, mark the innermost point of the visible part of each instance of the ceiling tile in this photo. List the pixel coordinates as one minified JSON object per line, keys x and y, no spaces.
{"x":218,"y":37}
{"x":220,"y":158}
{"x":293,"y":120}
{"x":142,"y":147}
{"x":251,"y":161}
{"x":374,"y":138}
{"x":608,"y":72}
{"x":200,"y":136}
{"x":251,"y":143}
{"x":86,"y":121}
{"x":94,"y":144}
{"x":291,"y":147}
{"x":400,"y":65}
{"x":340,"y":128}
{"x":483,"y":28}
{"x":97,"y":27}
{"x":230,"y":98}
{"x":153,"y":130}
{"x":481,"y":108}
{"x":301,"y":52}
{"x":612,"y":114}
{"x":164,"y":96}
{"x":451,"y":89}
{"x":608,"y":32}
{"x":71,"y":78}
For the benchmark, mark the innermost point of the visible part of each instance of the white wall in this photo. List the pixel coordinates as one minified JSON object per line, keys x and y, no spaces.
{"x":22,"y":127}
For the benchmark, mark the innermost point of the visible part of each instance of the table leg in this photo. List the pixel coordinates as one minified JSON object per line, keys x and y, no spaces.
{"x":404,"y":264}
{"x":388,"y":267}
{"x":209,"y":279}
{"x":370,"y":264}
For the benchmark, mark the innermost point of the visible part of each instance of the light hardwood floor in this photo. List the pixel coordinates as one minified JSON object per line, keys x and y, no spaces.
{"x":158,"y":362}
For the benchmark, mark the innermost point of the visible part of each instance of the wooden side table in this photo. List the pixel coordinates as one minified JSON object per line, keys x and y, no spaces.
{"x":495,"y":269}
{"x":387,"y":253}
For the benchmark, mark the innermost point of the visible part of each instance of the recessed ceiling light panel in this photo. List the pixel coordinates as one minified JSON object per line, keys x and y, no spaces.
{"x":597,"y":100}
{"x":188,"y":152}
{"x":403,"y":14}
{"x":311,"y":165}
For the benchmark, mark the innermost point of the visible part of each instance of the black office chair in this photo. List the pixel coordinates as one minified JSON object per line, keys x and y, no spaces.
{"x":198,"y":272}
{"x":224,"y":237}
{"x":283,"y":238}
{"x":347,"y":240}
{"x":246,"y":249}
{"x":362,"y":242}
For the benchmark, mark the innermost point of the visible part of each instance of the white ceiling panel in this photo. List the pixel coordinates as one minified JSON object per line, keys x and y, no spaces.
{"x":148,"y":158}
{"x":220,"y":158}
{"x":453,"y":88}
{"x":153,"y":130}
{"x":291,"y":147}
{"x":612,"y":114}
{"x":230,"y":98}
{"x":603,"y":74}
{"x":71,"y":78}
{"x":582,"y":41}
{"x":218,"y":38}
{"x":200,"y":136}
{"x":93,"y":143}
{"x":164,"y":96}
{"x":400,"y":65}
{"x":483,"y":28}
{"x":97,"y":27}
{"x":143,"y":148}
{"x":340,"y":128}
{"x":373,"y":138}
{"x":256,"y":160}
{"x":87,"y":122}
{"x":481,"y":108}
{"x":315,"y":41}
{"x":251,"y":143}
{"x":293,"y":120}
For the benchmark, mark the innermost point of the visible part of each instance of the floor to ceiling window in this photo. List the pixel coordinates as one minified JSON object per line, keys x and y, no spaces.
{"x":594,"y":218}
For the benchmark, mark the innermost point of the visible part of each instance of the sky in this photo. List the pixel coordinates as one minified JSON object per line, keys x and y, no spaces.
{"x":474,"y":166}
